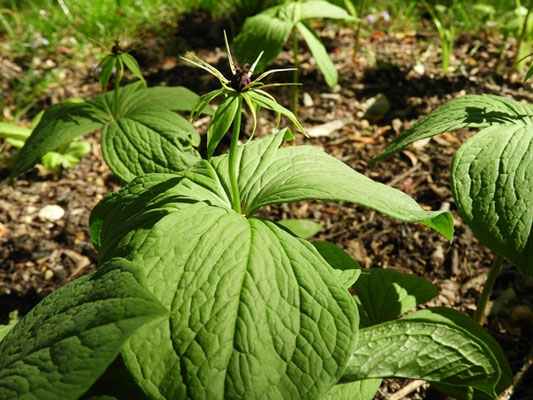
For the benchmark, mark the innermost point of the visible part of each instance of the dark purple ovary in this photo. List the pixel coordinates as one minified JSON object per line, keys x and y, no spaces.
{"x":241,"y":78}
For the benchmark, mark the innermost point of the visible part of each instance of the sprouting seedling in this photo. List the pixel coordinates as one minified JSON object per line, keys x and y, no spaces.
{"x":240,"y":86}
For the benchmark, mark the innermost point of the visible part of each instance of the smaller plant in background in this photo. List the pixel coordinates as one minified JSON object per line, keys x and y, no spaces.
{"x":140,"y":131}
{"x":524,"y":38}
{"x":273,"y":27}
{"x":491,"y":175}
{"x":66,"y":156}
{"x":443,"y":19}
{"x":115,"y":62}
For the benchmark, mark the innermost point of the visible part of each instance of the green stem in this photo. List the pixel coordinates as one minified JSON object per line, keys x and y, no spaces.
{"x":118,"y":76}
{"x":115,"y":95}
{"x":521,"y":37}
{"x":235,"y":196}
{"x":295,"y":75}
{"x":495,"y":269}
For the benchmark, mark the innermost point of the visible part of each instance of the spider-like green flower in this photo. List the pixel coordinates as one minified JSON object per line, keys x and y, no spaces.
{"x":239,"y":88}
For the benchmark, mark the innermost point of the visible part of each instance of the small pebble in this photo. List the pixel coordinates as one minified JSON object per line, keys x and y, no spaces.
{"x":326,"y":129}
{"x":419,"y":69}
{"x":308,"y":100}
{"x":49,"y":275}
{"x":51,"y":212}
{"x":397,"y":125}
{"x":330,"y":96}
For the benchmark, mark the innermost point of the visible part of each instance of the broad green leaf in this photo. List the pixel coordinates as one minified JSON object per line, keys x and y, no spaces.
{"x":471,"y":111}
{"x":430,"y":345}
{"x":66,"y":121}
{"x":255,"y":311}
{"x":269,"y":104}
{"x":469,"y":393}
{"x":262,"y":32}
{"x":335,"y":256}
{"x":492,"y":176}
{"x":149,"y":140}
{"x":320,"y":9}
{"x":175,"y":98}
{"x":303,"y":228}
{"x":272,"y":175}
{"x":115,"y":383}
{"x":347,"y":277}
{"x":107,"y":65}
{"x":61,"y":347}
{"x":133,"y":66}
{"x":221,"y":122}
{"x":320,"y":55}
{"x":359,"y":390}
{"x":347,"y":269}
{"x":149,"y":198}
{"x":59,"y":125}
{"x":386,"y":294}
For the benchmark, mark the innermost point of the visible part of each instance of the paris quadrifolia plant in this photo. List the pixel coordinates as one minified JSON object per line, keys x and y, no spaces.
{"x":491,"y":175}
{"x":236,"y":91}
{"x":196,"y":297}
{"x":141,"y":133}
{"x":273,"y":26}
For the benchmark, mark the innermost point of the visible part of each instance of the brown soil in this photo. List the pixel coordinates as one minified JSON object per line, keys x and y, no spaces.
{"x":37,"y":256}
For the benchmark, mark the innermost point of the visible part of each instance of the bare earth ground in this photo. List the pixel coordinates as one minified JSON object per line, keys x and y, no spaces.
{"x":38,"y":255}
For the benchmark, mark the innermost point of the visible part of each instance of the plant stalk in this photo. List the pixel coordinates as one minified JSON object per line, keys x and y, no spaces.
{"x":295,"y":74}
{"x":521,"y":37}
{"x":235,"y":195}
{"x":495,"y":270}
{"x":116,"y":93}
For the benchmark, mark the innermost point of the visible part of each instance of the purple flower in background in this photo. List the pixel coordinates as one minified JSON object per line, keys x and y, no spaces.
{"x":385,"y":16}
{"x":41,"y":42}
{"x":370,"y":19}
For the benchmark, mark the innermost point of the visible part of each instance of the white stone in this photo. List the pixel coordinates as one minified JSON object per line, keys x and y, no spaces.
{"x":308,"y":100}
{"x":419,"y":69}
{"x":325,"y":129}
{"x":51,"y":212}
